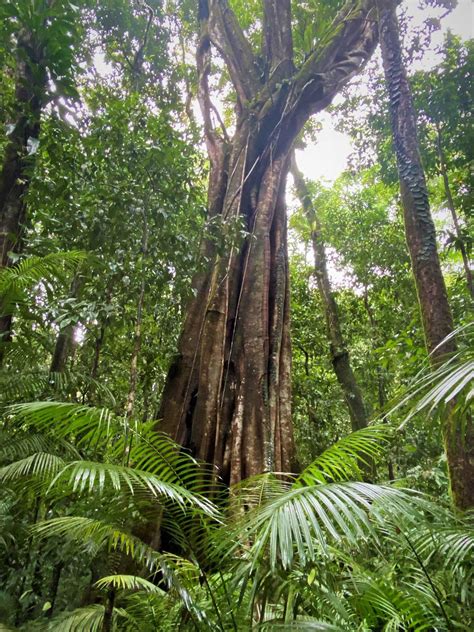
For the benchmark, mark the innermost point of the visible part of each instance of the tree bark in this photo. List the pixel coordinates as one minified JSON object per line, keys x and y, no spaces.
{"x":227,"y":395}
{"x":339,"y":353}
{"x":15,"y":176}
{"x":452,"y":209}
{"x":421,"y":241}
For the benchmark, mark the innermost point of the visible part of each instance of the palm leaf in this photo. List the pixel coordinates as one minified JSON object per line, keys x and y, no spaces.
{"x":99,"y":430}
{"x":88,"y":619}
{"x":301,"y":522}
{"x":94,"y":477}
{"x":41,"y":464}
{"x":128,"y":582}
{"x":342,"y":460}
{"x":33,"y":270}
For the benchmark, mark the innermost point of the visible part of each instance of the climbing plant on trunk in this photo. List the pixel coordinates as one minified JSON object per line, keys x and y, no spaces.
{"x":227,"y":395}
{"x":421,"y":241}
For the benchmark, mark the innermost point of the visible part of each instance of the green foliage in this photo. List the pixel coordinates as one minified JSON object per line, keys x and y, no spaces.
{"x":100,"y":512}
{"x":33,"y":271}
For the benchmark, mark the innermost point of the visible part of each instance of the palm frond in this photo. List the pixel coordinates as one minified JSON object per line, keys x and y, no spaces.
{"x":22,"y":445}
{"x":95,"y":477}
{"x":180,"y":574}
{"x":303,"y":623}
{"x":88,"y":619}
{"x":455,"y":544}
{"x":128,"y":582}
{"x":303,"y":521}
{"x":40,"y":464}
{"x":98,"y":430}
{"x":30,"y":384}
{"x":377,"y":600}
{"x":342,"y":460}
{"x":88,"y":426}
{"x":33,"y":270}
{"x":431,"y":390}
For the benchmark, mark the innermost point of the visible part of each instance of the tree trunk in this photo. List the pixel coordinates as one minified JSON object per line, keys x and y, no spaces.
{"x":53,"y":590}
{"x":381,"y":396}
{"x":421,"y":240}
{"x":137,"y":338}
{"x":452,"y":209}
{"x":339,"y":353}
{"x":65,"y":341}
{"x":227,"y":395}
{"x":15,"y":172}
{"x":109,"y":611}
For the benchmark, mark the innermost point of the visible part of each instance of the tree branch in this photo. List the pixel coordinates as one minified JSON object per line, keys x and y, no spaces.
{"x":203,"y":64}
{"x":229,"y":39}
{"x":334,"y":63}
{"x":278,"y":40}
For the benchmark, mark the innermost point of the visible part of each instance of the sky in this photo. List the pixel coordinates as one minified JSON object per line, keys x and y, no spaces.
{"x":328,"y":158}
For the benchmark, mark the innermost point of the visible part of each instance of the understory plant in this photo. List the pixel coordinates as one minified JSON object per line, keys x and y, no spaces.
{"x":107,"y":525}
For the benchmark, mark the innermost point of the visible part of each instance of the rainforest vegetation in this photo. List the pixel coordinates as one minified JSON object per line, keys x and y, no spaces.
{"x":234,"y":394}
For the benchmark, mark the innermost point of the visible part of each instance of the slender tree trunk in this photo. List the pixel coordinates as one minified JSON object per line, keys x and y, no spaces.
{"x":339,"y":353}
{"x":16,"y":167}
{"x":452,"y":209}
{"x":421,"y":240}
{"x":53,"y":591}
{"x":137,"y":339}
{"x":381,"y":395}
{"x":97,"y":349}
{"x":109,"y":611}
{"x":227,"y":395}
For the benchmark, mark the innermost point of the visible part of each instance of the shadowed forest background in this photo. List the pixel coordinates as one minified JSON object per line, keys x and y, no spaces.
{"x":235,"y":395}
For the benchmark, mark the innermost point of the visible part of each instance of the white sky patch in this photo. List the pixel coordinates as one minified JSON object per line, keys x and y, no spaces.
{"x":327,"y":159}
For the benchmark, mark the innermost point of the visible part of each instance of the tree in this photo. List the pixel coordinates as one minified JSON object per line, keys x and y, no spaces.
{"x":443,"y":102}
{"x":43,"y":35}
{"x":339,"y":352}
{"x":228,"y":392}
{"x":421,"y":240}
